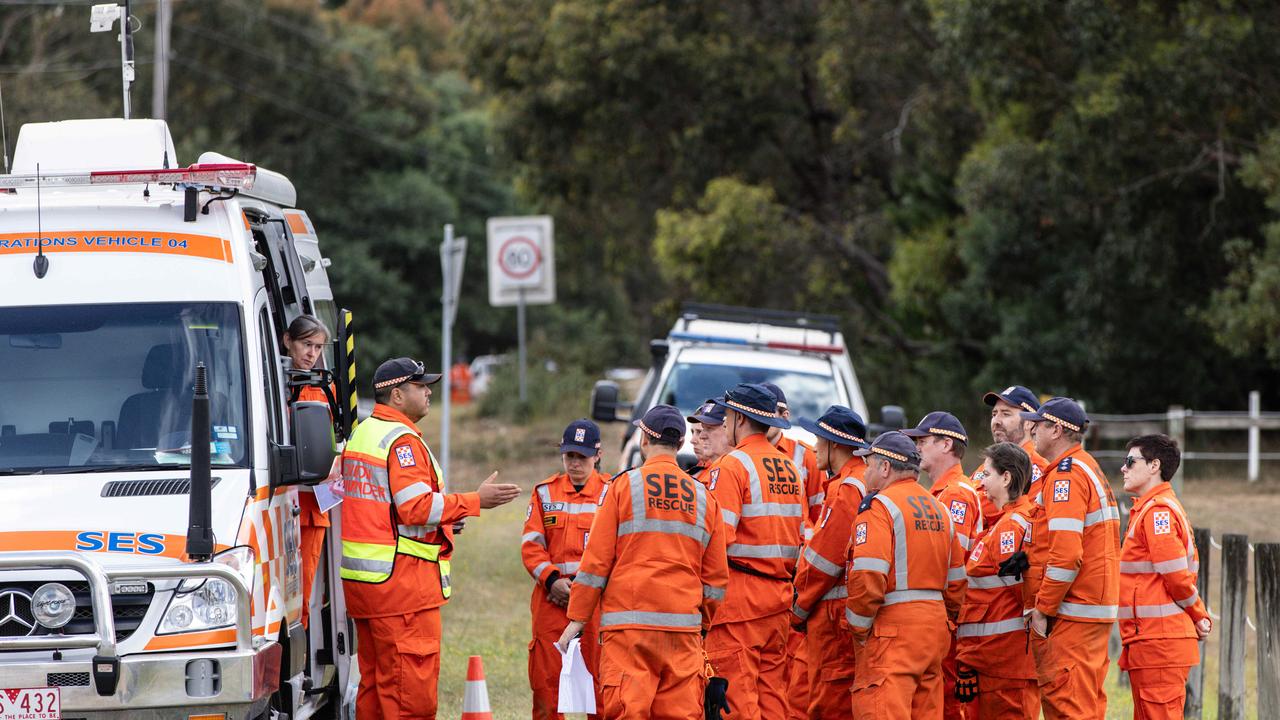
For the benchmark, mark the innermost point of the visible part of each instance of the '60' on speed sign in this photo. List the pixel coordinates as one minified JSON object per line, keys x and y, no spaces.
{"x":521,"y":260}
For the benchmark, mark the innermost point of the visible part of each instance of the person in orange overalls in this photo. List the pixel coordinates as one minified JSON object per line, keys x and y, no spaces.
{"x":763,"y":504}
{"x":397,"y":539}
{"x":304,"y":342}
{"x":556,"y":527}
{"x":1162,"y":617}
{"x":1008,"y":426}
{"x":655,"y":572}
{"x":941,"y":441}
{"x":1075,"y":545}
{"x":906,"y":586}
{"x":821,"y":581}
{"x":992,"y":653}
{"x":709,"y":439}
{"x":805,"y":458}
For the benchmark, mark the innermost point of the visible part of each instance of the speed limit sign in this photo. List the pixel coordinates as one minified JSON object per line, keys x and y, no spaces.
{"x":521,"y":260}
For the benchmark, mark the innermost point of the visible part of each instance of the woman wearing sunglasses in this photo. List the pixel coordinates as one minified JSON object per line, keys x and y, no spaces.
{"x":1162,"y":617}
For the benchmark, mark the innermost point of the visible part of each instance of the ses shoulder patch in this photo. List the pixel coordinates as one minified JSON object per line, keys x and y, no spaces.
{"x":1008,"y":540}
{"x":1061,"y":490}
{"x":713,"y":477}
{"x":528,"y":512}
{"x":1035,"y":472}
{"x":860,"y":534}
{"x":959,"y":511}
{"x":1162,"y":521}
{"x":604,"y":491}
{"x":977,"y":552}
{"x":825,"y":517}
{"x":404,"y":456}
{"x":1065,"y":465}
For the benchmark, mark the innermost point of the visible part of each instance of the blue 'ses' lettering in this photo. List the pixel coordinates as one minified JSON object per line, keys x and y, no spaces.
{"x":126,"y":542}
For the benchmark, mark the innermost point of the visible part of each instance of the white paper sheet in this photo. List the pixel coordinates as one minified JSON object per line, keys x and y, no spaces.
{"x":577,"y":687}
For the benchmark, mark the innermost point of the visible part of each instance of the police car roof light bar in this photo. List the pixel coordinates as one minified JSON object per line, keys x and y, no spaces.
{"x":239,"y":176}
{"x":721,"y":340}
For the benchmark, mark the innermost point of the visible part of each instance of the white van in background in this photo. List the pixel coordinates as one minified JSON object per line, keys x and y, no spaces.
{"x":711,"y":348}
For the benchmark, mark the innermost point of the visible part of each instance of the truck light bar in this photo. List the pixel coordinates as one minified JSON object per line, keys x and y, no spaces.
{"x":694,"y":337}
{"x":221,"y":175}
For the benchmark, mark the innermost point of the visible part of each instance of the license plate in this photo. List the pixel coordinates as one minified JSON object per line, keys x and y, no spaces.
{"x":43,"y":703}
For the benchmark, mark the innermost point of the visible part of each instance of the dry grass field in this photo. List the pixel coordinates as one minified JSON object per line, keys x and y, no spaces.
{"x":489,"y":614}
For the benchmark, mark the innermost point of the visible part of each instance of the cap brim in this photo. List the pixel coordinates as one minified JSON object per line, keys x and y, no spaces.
{"x":992,"y":398}
{"x":704,"y":420}
{"x":778,"y":422}
{"x":1032,"y":416}
{"x":813,"y":427}
{"x":580,"y":449}
{"x":427,"y":378}
{"x":915,"y":433}
{"x":863,"y":452}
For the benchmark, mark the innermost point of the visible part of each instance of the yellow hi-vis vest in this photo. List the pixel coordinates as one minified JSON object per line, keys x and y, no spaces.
{"x":371,"y":536}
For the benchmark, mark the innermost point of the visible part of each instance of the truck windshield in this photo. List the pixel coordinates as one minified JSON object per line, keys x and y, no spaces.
{"x":808,"y":394}
{"x":102,"y":387}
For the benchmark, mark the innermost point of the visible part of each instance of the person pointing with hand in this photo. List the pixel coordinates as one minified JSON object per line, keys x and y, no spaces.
{"x":397,"y":539}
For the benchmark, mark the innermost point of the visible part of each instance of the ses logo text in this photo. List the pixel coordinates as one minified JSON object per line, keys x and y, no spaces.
{"x":125,"y":542}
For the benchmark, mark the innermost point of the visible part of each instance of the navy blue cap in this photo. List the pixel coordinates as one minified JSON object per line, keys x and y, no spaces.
{"x":1016,"y":395}
{"x":708,"y":413}
{"x":895,"y":446}
{"x":582,"y":437}
{"x":839,"y":425}
{"x":1061,"y":410}
{"x":663,"y":422}
{"x":754,"y":401}
{"x":942,"y":424}
{"x":777,"y":392}
{"x":402,"y":370}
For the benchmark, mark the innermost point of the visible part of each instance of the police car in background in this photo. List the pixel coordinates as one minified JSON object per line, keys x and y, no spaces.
{"x":711,"y":348}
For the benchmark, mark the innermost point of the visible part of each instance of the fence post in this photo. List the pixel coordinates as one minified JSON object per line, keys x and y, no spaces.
{"x":1178,"y":431}
{"x":1194,"y":707}
{"x":1255,"y":432}
{"x":1266,"y":575}
{"x":1235,"y":581}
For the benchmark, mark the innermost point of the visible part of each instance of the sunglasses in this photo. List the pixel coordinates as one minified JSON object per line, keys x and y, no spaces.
{"x":1130,"y":460}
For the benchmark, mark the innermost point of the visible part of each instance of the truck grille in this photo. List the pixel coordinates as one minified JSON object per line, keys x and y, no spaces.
{"x":16,"y":619}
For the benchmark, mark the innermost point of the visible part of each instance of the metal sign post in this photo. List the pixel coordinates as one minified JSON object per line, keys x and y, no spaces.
{"x":522,"y":272}
{"x":453,"y":256}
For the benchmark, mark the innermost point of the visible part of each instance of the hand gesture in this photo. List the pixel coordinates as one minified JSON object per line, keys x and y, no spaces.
{"x":493,"y":494}
{"x":559,"y":593}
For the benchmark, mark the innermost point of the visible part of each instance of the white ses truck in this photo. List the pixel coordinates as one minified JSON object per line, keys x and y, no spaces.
{"x":711,"y":348}
{"x":151,"y":450}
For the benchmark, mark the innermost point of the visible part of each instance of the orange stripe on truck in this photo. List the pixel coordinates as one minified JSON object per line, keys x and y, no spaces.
{"x":153,"y":242}
{"x":225,"y":636}
{"x":144,"y":544}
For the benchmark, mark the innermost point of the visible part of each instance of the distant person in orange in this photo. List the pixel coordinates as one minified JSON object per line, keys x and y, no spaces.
{"x":906,"y":586}
{"x":814,"y":481}
{"x":941,"y":441}
{"x":1008,"y":426}
{"x":1075,"y":544}
{"x":556,"y":527}
{"x":304,"y":342}
{"x":821,"y":579}
{"x":709,"y":440}
{"x":992,"y":651}
{"x":397,"y":541}
{"x":1162,"y":617}
{"x":460,"y":383}
{"x":763,"y":504}
{"x":655,"y":572}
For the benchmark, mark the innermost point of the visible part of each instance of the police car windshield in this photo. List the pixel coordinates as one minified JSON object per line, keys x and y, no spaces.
{"x":100,"y":386}
{"x":689,"y":384}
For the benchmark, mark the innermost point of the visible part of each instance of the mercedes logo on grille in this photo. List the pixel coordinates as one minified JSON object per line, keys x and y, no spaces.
{"x":15,"y":613}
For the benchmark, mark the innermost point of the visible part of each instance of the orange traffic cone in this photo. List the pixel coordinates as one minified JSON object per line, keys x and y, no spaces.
{"x":475,"y":700}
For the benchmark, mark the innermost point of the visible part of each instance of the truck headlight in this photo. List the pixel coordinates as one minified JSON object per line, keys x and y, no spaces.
{"x":52,"y":605}
{"x":207,"y":604}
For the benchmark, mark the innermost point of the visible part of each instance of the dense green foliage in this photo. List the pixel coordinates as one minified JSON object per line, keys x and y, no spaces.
{"x":1081,"y":196}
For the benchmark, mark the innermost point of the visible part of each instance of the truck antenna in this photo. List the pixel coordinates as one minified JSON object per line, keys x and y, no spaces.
{"x":41,"y":265}
{"x":199,"y":512}
{"x":4,"y":134}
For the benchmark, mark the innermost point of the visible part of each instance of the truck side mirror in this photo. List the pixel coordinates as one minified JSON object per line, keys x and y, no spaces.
{"x":604,"y":401}
{"x":892,"y":417}
{"x":313,"y":439}
{"x":658,"y":350}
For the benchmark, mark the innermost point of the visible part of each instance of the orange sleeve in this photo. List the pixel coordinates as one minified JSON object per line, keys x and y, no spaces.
{"x":1166,"y":540}
{"x":533,"y":543}
{"x":715,"y":567}
{"x":727,"y":487}
{"x":966,"y":512}
{"x":869,"y":577}
{"x":600,"y":554}
{"x":815,"y":482}
{"x":415,"y":489}
{"x":822,"y":561}
{"x":1066,"y":501}
{"x":957,"y":581}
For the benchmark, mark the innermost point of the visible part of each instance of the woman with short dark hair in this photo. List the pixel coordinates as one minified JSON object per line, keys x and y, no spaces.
{"x":1162,"y":617}
{"x":994,"y":660}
